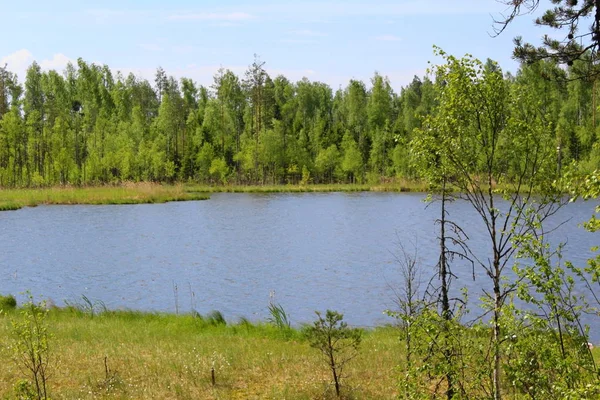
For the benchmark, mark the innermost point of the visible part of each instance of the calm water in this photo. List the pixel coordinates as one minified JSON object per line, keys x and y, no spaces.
{"x":316,"y":251}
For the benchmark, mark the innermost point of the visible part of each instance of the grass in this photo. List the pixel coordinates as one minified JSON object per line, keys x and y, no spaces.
{"x":396,"y":186}
{"x":170,"y":356}
{"x":146,"y":192}
{"x":131,"y":193}
{"x":137,"y":355}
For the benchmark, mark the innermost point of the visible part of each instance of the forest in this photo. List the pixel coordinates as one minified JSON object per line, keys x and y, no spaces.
{"x":89,"y":125}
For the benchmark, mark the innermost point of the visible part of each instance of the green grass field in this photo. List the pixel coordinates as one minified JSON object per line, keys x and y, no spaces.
{"x":164,"y":356}
{"x":137,"y":355}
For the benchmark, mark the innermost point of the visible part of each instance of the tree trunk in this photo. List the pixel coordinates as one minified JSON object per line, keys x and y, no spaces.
{"x":446,"y":314}
{"x":497,"y":307}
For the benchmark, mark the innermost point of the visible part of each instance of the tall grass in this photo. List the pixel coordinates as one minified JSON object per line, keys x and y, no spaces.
{"x":130,"y":354}
{"x":147,"y":192}
{"x":396,"y":186}
{"x":128,"y":193}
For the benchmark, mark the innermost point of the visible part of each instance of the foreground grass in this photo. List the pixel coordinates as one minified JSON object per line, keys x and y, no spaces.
{"x":135,"y":355}
{"x":137,"y":193}
{"x":170,"y":357}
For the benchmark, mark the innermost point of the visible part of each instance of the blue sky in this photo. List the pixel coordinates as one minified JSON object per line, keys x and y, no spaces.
{"x":328,"y":41}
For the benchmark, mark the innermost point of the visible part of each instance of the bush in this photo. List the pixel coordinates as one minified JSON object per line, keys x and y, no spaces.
{"x":31,"y":350}
{"x":336,"y":341}
{"x":8,"y":302}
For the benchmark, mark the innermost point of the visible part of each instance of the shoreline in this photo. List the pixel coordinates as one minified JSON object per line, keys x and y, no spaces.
{"x":154,"y":193}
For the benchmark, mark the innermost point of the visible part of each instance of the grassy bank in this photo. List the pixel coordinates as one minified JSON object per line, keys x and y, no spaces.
{"x":138,"y":193}
{"x":145,"y":192}
{"x":152,"y":356}
{"x":400,"y":186}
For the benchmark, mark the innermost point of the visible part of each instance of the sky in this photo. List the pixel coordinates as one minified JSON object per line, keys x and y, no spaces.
{"x":326,"y":41}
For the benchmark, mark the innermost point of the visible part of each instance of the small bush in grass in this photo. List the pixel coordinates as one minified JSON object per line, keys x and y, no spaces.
{"x":24,"y":390}
{"x":31,"y":349}
{"x":336,"y":341}
{"x":8,"y":302}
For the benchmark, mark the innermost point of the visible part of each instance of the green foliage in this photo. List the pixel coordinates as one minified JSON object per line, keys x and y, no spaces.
{"x":566,"y":15}
{"x":88,"y":126}
{"x":277,"y":315}
{"x":215,"y":318}
{"x":8,"y":302}
{"x":352,"y":163}
{"x":336,"y":341}
{"x":305,"y":175}
{"x":542,"y":359}
{"x":31,"y":349}
{"x":219,"y":170}
{"x":24,"y":390}
{"x":87,"y":306}
{"x":487,"y":132}
{"x":327,"y":162}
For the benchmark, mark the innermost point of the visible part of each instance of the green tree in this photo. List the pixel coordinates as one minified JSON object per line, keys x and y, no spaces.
{"x":479,"y":119}
{"x":31,"y":347}
{"x":352,"y":160}
{"x":327,"y":162}
{"x":336,"y":341}
{"x":219,"y":170}
{"x":565,"y":15}
{"x":356,"y":103}
{"x":8,"y":81}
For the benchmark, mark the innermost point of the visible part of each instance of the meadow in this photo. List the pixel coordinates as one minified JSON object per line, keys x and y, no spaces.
{"x":135,"y":355}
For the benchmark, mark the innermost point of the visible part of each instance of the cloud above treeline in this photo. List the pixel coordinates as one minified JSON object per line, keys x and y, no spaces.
{"x":20,"y":60}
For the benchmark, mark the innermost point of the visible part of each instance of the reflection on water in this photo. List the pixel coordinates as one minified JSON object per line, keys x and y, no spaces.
{"x":316,"y":251}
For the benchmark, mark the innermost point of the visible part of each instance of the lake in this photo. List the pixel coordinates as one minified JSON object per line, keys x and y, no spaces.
{"x":316,"y":251}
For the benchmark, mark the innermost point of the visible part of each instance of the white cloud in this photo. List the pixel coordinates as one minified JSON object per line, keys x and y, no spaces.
{"x":20,"y":60}
{"x":58,"y":62}
{"x":388,"y":38}
{"x":212,"y":16}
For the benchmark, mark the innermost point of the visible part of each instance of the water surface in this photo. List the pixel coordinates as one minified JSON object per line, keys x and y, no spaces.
{"x":315,"y":250}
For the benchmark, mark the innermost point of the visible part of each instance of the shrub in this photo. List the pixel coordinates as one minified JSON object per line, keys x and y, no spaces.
{"x":31,"y":349}
{"x":336,"y":341}
{"x":8,"y":302}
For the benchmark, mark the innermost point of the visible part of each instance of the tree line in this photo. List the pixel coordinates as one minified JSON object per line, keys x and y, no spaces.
{"x":88,"y":125}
